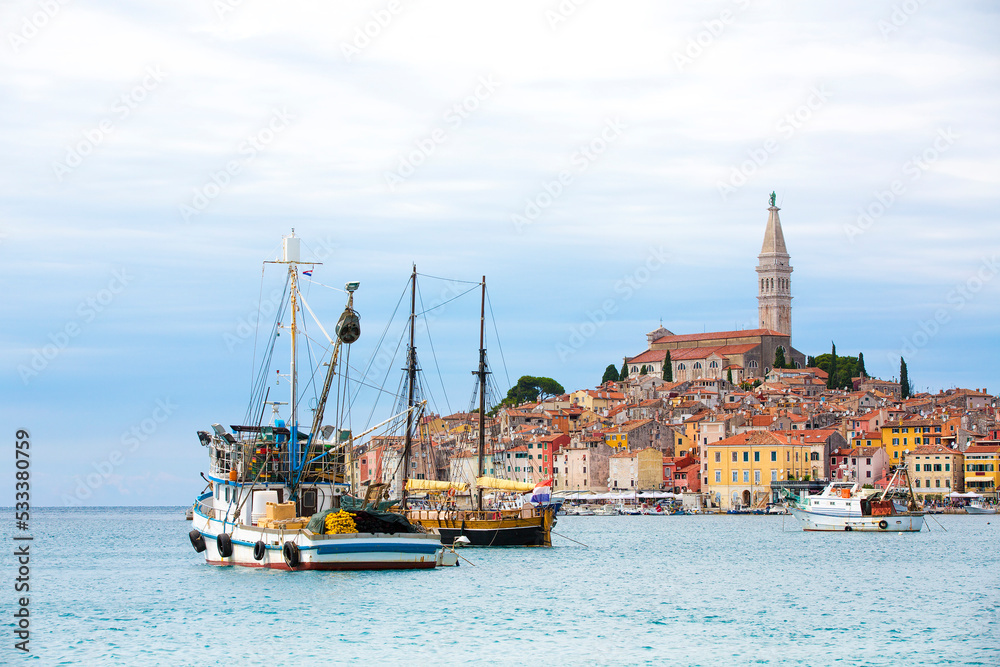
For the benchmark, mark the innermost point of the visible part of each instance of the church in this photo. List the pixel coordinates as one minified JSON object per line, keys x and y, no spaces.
{"x":747,"y":354}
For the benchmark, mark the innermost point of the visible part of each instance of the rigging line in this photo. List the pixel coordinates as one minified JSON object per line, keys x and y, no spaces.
{"x":444,"y":303}
{"x":502,"y":359}
{"x":427,"y":329}
{"x":256,"y":331}
{"x":452,"y":280}
{"x":384,"y":379}
{"x":378,"y":346}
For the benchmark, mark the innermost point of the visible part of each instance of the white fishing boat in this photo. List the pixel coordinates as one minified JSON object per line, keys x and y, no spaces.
{"x":979,"y":506}
{"x":846,"y":506}
{"x":277,"y":493}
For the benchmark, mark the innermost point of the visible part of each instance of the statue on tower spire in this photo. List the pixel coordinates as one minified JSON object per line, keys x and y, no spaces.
{"x":773,"y":198}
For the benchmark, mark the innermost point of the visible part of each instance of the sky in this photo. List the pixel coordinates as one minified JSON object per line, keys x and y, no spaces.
{"x":605,"y":165}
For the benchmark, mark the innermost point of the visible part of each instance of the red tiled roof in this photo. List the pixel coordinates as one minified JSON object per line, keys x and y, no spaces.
{"x":718,"y":334}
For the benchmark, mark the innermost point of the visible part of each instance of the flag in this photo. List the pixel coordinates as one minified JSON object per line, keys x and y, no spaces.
{"x":541,"y":492}
{"x":307,"y":273}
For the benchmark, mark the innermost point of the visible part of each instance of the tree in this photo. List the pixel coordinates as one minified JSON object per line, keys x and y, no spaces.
{"x":811,"y":362}
{"x":861,"y":365}
{"x":624,"y":374}
{"x":904,"y":380}
{"x":668,"y":368}
{"x":831,"y":380}
{"x":840,"y":372}
{"x":530,"y":388}
{"x":610,"y":374}
{"x":729,"y":375}
{"x":779,"y":357}
{"x":644,"y":370}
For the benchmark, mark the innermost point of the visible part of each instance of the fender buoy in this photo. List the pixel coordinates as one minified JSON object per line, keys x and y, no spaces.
{"x":197,"y":541}
{"x":225,"y":544}
{"x":848,"y":528}
{"x":258,"y":550}
{"x":290,"y":552}
{"x":883,"y":524}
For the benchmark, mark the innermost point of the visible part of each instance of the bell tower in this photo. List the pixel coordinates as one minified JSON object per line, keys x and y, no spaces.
{"x":774,"y":286}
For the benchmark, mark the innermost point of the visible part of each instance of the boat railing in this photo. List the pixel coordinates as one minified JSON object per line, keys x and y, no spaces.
{"x":476,"y":515}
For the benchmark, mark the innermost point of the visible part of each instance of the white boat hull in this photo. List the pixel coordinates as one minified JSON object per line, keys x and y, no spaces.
{"x":971,"y":509}
{"x":898,"y":523}
{"x":352,"y":551}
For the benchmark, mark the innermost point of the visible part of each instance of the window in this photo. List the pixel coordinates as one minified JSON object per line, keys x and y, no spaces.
{"x":774,"y":456}
{"x":868,"y":474}
{"x":736,"y":477}
{"x":734,"y":457}
{"x":756,"y":457}
{"x":746,"y":456}
{"x":937,"y":467}
{"x":917,"y":483}
{"x":718,"y":457}
{"x":895,"y":441}
{"x":697,"y":365}
{"x":746,"y":476}
{"x":916,"y":441}
{"x":947,"y":467}
{"x":774,"y":475}
{"x":756,"y":477}
{"x":917,"y":467}
{"x":584,"y":470}
{"x":868,"y":461}
{"x":718,"y":476}
{"x":714,"y":364}
{"x":814,"y":456}
{"x":947,"y":483}
{"x":681,"y":367}
{"x":937,"y":483}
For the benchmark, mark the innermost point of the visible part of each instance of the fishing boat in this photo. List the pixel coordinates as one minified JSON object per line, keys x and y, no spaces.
{"x":979,"y":506}
{"x":846,"y":506}
{"x":508,"y":519}
{"x":277,"y":492}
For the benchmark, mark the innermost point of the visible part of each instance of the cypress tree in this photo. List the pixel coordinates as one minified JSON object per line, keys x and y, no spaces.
{"x":668,"y":368}
{"x":644,"y":370}
{"x":624,"y":374}
{"x":904,"y":380}
{"x":729,"y":375}
{"x":861,"y":365}
{"x":779,"y":357}
{"x":831,"y":380}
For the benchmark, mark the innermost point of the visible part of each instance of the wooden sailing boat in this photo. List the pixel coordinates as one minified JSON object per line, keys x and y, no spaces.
{"x":483,"y":525}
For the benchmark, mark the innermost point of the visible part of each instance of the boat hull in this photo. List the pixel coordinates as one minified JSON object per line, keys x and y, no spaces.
{"x":493,"y":530}
{"x":352,"y":551}
{"x":980,"y":510}
{"x":894,"y":523}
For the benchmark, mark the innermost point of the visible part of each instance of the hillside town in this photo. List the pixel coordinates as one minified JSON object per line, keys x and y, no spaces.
{"x":727,"y":419}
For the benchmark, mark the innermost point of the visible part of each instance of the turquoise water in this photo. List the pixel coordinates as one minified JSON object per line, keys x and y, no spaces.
{"x":123,"y":586}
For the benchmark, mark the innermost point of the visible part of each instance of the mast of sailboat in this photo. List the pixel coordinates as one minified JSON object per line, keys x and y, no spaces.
{"x":411,"y":376}
{"x":482,"y":394}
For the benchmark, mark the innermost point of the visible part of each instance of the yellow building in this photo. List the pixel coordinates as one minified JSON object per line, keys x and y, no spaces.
{"x":982,"y":468}
{"x":867,"y":439}
{"x":740,"y":469}
{"x":650,"y":469}
{"x":898,"y":437}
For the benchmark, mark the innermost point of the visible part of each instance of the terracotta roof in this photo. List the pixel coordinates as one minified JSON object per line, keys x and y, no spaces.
{"x":717,"y":334}
{"x":648,"y":355}
{"x":686,"y":353}
{"x":934,"y":449}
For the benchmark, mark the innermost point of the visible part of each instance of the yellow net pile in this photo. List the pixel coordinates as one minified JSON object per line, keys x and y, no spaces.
{"x":340,"y":522}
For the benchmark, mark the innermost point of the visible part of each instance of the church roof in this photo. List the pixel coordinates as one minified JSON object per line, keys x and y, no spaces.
{"x":774,"y":240}
{"x":714,"y":335}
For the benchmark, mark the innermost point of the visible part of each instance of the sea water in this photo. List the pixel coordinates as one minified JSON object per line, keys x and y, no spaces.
{"x":123,"y":586}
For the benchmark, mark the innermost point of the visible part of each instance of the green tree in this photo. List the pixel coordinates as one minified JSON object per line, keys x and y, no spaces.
{"x":779,"y":357}
{"x":644,"y":370}
{"x":904,"y":380}
{"x":811,"y":362}
{"x":831,"y":381}
{"x":840,"y":372}
{"x":861,"y":365}
{"x":668,"y":368}
{"x":624,"y":374}
{"x":530,"y":388}
{"x":729,"y":375}
{"x":610,"y":374}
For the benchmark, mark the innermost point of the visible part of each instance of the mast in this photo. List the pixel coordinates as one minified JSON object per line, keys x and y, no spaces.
{"x":482,"y":393}
{"x":411,"y":376}
{"x":293,"y":421}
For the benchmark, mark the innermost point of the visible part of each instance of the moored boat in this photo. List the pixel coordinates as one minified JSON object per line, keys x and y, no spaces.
{"x":275,"y":491}
{"x":846,"y":506}
{"x":979,"y":506}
